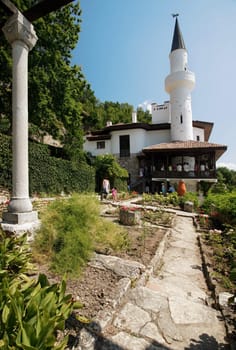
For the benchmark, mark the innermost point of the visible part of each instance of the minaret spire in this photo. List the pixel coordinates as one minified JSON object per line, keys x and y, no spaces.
{"x":178,"y":41}
{"x":179,"y":84}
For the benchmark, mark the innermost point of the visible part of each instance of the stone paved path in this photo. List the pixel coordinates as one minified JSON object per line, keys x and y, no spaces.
{"x":171,"y":310}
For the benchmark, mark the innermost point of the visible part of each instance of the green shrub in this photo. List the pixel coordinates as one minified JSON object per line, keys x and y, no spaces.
{"x":31,"y":310}
{"x":107,"y":166}
{"x":53,"y":175}
{"x":223,"y":244}
{"x":169,"y":199}
{"x":71,"y":230}
{"x":14,"y":255}
{"x":221,"y":207}
{"x":47,"y":174}
{"x":189,"y":197}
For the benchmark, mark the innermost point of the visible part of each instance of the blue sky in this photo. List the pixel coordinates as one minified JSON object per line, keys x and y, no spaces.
{"x":124,"y":48}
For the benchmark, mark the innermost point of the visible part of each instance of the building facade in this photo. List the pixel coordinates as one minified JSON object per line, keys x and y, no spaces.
{"x":173,"y":147}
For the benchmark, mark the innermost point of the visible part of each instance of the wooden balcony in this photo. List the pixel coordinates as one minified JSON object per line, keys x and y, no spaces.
{"x":165,"y":174}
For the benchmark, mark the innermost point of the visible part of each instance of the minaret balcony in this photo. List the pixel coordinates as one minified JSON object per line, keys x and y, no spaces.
{"x":180,"y":79}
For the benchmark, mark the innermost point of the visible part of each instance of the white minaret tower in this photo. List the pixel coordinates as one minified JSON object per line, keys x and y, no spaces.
{"x":179,"y":84}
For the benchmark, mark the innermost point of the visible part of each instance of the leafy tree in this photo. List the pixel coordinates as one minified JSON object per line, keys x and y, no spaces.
{"x":143,"y":116}
{"x":58,"y":92}
{"x":107,"y":166}
{"x":102,"y":112}
{"x":227,"y":176}
{"x":99,"y":113}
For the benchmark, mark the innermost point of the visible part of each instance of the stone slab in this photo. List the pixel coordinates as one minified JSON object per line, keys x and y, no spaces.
{"x":168,"y":328}
{"x":126,"y":341}
{"x":147,"y":299}
{"x":122,"y":267}
{"x":151,"y":331}
{"x":188,"y":312}
{"x":132,"y":318}
{"x":177,"y":286}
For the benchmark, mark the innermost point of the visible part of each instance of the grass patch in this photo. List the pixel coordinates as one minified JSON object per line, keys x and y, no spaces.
{"x":71,"y":231}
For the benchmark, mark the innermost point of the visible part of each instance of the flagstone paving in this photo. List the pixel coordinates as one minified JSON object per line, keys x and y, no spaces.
{"x":169,"y":310}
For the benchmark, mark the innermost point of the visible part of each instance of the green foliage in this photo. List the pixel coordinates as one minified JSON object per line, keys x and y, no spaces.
{"x":53,"y":175}
{"x":189,"y":197}
{"x":221,"y":207}
{"x":109,"y":236}
{"x":5,"y":161}
{"x":205,"y":186}
{"x":120,"y":183}
{"x":143,"y":116}
{"x":47,"y":174}
{"x":223,"y":244}
{"x":31,"y":311}
{"x":170,"y":199}
{"x":71,"y":229}
{"x":226,"y":176}
{"x":107,"y":166}
{"x":15,"y":255}
{"x":101,"y":112}
{"x":158,"y":217}
{"x":58,"y":91}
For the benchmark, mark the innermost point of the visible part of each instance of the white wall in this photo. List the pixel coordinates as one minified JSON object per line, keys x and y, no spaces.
{"x":91,"y":146}
{"x":161,"y":113}
{"x":157,"y":136}
{"x":137,"y":140}
{"x":198,"y":132}
{"x":178,"y":60}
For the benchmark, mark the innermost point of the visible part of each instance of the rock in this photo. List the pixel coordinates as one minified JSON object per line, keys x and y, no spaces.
{"x":188,"y":206}
{"x":223,"y":298}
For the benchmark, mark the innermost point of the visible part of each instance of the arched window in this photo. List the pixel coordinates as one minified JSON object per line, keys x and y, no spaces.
{"x":181,"y":119}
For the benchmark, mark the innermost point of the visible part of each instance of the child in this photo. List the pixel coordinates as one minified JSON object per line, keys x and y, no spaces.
{"x":114,"y":193}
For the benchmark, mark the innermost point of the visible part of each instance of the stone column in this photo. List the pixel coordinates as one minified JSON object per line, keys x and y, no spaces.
{"x":21,"y":35}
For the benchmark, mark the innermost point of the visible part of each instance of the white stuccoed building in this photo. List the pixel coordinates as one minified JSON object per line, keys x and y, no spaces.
{"x":173,"y":146}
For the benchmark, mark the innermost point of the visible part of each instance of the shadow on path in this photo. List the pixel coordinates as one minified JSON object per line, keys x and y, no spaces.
{"x":206,"y":342}
{"x":97,"y":341}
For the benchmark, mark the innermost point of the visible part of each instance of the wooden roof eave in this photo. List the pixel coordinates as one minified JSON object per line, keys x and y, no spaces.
{"x":98,"y":137}
{"x":188,"y":151}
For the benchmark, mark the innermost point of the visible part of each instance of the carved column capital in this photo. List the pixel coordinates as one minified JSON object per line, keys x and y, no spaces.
{"x":18,"y":28}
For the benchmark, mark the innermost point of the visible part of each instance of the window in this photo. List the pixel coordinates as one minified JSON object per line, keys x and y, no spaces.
{"x":198,"y":138}
{"x":100,"y":144}
{"x":124,"y":146}
{"x":181,"y":119}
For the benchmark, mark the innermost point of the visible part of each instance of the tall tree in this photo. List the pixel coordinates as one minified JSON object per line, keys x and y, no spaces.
{"x":57,"y":90}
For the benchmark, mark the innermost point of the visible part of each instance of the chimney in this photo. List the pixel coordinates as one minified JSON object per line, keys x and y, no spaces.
{"x":109,"y":123}
{"x":134,"y":117}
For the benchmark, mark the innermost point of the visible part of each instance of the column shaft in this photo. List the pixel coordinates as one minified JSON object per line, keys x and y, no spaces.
{"x":20,"y":34}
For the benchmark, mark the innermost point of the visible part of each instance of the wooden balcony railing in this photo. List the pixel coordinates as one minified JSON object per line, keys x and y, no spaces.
{"x":207,"y":174}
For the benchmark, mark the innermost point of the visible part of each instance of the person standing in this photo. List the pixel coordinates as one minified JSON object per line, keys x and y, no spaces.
{"x":163,"y":189}
{"x":105,"y":188}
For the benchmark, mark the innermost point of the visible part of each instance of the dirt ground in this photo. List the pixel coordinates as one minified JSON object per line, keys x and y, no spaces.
{"x":96,"y":288}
